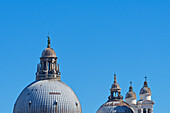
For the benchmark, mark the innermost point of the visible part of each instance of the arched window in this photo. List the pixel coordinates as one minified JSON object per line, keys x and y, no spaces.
{"x":144,"y":110}
{"x":49,"y":66}
{"x":114,"y":94}
{"x":45,"y":65}
{"x":149,"y":110}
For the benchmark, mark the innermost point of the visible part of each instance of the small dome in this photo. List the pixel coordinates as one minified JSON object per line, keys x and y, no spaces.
{"x":115,"y":86}
{"x":48,"y":52}
{"x":115,"y":107}
{"x":130,"y":94}
{"x":145,"y":89}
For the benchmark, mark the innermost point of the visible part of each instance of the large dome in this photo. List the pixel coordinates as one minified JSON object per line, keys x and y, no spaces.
{"x":47,"y":96}
{"x":115,"y":107}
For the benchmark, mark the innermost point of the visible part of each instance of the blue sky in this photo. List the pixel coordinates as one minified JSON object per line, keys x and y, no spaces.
{"x":93,"y":39}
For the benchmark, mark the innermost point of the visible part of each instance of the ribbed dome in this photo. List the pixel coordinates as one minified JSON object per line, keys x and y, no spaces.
{"x":115,"y":107}
{"x":47,"y":96}
{"x":48,"y":52}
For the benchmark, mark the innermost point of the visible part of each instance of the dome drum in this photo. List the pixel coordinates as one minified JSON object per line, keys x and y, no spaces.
{"x":145,"y":97}
{"x":48,"y":76}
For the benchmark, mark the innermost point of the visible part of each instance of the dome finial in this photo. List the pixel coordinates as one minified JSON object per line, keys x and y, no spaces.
{"x":145,"y":83}
{"x":130,"y":83}
{"x":130,"y":88}
{"x":115,"y":81}
{"x":49,"y":45}
{"x":145,"y":78}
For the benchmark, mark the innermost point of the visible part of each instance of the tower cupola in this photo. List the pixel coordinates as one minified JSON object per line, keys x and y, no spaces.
{"x":145,"y":92}
{"x":115,"y":91}
{"x":130,"y":95}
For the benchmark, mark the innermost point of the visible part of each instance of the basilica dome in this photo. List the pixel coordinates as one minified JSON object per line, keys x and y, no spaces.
{"x":47,"y":94}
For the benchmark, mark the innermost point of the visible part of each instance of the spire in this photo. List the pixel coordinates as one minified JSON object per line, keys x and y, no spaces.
{"x":145,"y":83}
{"x":115,"y":81}
{"x":49,"y":45}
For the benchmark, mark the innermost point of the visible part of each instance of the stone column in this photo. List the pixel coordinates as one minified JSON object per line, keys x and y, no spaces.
{"x":51,"y":66}
{"x":151,"y":110}
{"x":46,"y":65}
{"x":42,"y":65}
{"x":141,"y":110}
